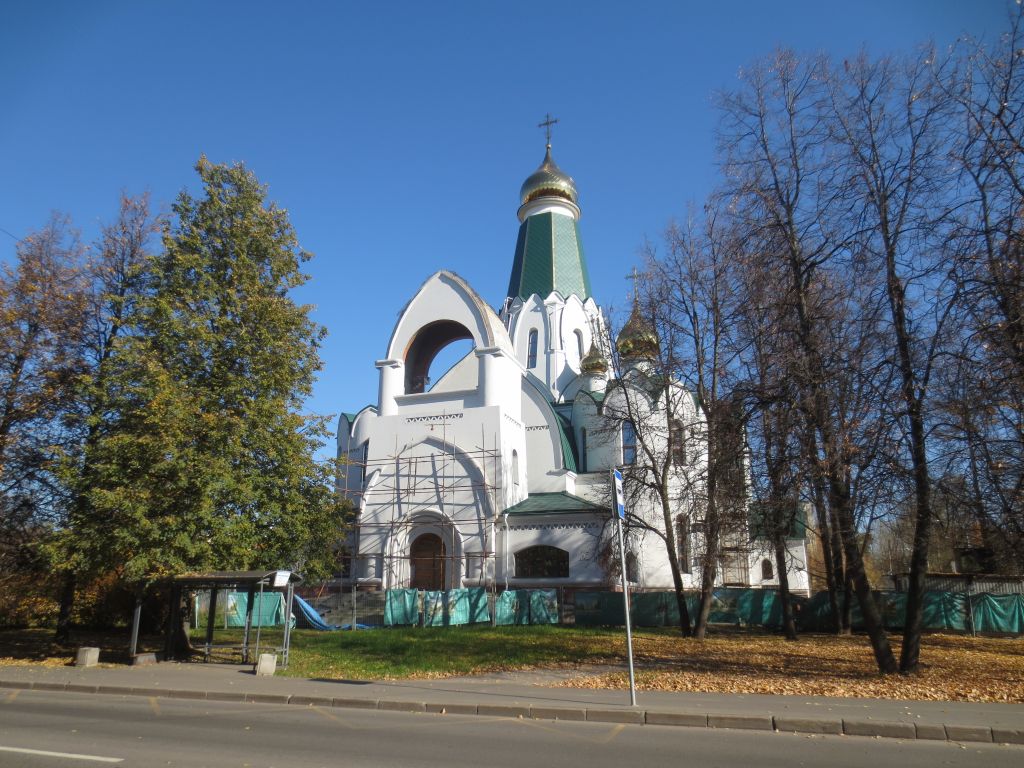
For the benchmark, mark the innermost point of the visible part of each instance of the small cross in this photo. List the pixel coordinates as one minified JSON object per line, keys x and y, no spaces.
{"x":635,"y":275}
{"x":546,"y":125}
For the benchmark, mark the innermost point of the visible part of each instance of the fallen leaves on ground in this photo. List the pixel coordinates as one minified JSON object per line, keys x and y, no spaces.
{"x":50,"y":661}
{"x":954,"y":668}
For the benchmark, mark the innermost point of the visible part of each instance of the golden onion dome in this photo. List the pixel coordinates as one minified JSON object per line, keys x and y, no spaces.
{"x":637,"y":340}
{"x":593,"y":361}
{"x":548,"y":181}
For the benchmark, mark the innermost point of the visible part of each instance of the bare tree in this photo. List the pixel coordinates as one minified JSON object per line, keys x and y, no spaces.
{"x":774,"y":426}
{"x":783,"y":182}
{"x":984,"y":400}
{"x":692,"y":284}
{"x":889,"y":119}
{"x":41,"y":312}
{"x":652,"y":416}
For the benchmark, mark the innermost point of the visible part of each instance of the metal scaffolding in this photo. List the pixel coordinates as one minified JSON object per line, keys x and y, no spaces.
{"x":453,"y":485}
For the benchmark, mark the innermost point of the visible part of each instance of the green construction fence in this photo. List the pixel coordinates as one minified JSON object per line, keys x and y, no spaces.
{"x":452,"y":607}
{"x":948,"y":611}
{"x":232,"y":607}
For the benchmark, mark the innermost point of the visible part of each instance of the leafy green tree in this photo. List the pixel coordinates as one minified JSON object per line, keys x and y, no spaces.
{"x":202,"y":457}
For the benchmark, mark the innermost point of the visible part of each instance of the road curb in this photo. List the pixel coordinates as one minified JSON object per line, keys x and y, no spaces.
{"x":781,"y":723}
{"x":882,"y":728}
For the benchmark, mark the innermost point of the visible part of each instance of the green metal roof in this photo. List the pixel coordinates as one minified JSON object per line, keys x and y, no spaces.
{"x":794,"y":517}
{"x":552,"y":504}
{"x":549,"y":257}
{"x":568,"y":442}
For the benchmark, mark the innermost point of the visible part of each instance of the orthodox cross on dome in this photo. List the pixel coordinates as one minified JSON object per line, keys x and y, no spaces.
{"x":636,"y":276}
{"x":546,"y":125}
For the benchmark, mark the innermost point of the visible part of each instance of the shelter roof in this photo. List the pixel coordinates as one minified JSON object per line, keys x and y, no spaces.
{"x":226,"y":578}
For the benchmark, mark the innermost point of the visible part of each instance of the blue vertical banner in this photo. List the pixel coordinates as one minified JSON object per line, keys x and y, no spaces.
{"x":620,"y":496}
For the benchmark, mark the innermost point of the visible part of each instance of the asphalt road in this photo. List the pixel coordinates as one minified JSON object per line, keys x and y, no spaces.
{"x":87,"y":730}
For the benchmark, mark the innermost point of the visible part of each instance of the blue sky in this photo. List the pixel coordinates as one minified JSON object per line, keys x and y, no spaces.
{"x":397,"y":134}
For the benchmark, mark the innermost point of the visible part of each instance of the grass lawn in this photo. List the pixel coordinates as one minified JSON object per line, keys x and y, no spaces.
{"x":448,"y":651}
{"x":955,"y":668}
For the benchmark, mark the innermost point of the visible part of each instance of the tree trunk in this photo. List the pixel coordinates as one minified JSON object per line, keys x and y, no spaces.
{"x":843,"y":617}
{"x":862,"y":587}
{"x":910,"y":654}
{"x":684,"y":612}
{"x":788,"y":620}
{"x":181,"y":615}
{"x":707,"y":587}
{"x":67,"y":603}
{"x":673,"y":560}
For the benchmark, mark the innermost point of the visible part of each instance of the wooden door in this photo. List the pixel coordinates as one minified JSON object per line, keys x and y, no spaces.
{"x":427,"y":562}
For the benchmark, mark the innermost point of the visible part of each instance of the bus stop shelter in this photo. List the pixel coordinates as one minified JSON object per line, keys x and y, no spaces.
{"x":255,"y":584}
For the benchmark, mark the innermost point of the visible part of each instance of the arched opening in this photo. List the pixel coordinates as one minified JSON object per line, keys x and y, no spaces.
{"x":425,"y":346}
{"x":583,"y":450}
{"x":531,"y":350}
{"x":542,"y":562}
{"x":677,"y":437}
{"x":515,"y":469}
{"x":628,"y":443}
{"x":683,"y":542}
{"x":632,"y":569}
{"x":427,"y":562}
{"x":767,"y":572}
{"x":446,"y":359}
{"x":579,"y":343}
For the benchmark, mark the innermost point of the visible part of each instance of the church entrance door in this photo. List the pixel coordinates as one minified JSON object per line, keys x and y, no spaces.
{"x":427,"y":562}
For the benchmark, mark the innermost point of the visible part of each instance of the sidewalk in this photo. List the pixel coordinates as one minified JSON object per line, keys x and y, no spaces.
{"x":533,"y":695}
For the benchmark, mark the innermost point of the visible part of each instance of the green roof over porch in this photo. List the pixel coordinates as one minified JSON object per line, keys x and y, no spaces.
{"x":560,"y":503}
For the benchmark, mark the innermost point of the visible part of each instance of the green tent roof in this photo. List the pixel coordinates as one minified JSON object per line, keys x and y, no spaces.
{"x":549,"y":257}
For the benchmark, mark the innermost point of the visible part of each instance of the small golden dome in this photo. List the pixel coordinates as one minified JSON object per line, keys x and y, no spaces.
{"x":637,"y":340}
{"x":548,"y":181}
{"x":593,"y":361}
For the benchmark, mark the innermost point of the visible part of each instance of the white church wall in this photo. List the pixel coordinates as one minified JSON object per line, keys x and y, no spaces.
{"x":463,"y":375}
{"x":579,"y":535}
{"x":796,"y":562}
{"x":545,"y":465}
{"x":352,"y":445}
{"x":573,"y":321}
{"x":531,"y":317}
{"x":436,"y":464}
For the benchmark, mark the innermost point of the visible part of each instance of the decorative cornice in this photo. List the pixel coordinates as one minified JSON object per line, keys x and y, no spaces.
{"x":437,"y":417}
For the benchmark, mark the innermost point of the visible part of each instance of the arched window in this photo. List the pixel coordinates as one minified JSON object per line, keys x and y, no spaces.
{"x":515,"y":469}
{"x":767,"y":572}
{"x":677,"y":434}
{"x":631,"y":567}
{"x":579,"y":343}
{"x":531,"y":350}
{"x":683,"y":542}
{"x":362,"y":464}
{"x":628,"y":443}
{"x":542,"y":562}
{"x":583,"y":450}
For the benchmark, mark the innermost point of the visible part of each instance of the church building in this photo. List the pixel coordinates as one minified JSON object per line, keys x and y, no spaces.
{"x":497,"y":474}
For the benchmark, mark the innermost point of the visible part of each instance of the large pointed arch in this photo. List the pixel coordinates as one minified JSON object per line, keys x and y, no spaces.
{"x":445,"y":309}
